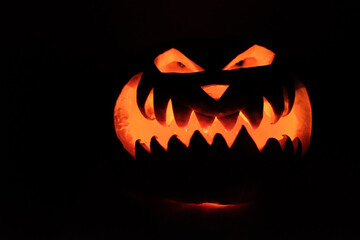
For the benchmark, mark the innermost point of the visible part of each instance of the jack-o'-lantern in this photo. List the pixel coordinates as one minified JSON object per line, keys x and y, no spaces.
{"x":200,"y":135}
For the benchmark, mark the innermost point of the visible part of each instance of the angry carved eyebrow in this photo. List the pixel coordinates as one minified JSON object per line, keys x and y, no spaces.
{"x":173,"y":61}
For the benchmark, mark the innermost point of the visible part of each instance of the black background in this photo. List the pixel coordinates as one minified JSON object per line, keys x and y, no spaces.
{"x":65,"y":64}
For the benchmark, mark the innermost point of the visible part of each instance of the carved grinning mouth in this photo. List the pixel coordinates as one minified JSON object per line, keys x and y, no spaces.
{"x":131,"y":126}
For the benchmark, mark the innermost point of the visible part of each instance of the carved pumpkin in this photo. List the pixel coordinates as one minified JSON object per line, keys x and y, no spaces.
{"x":203,"y":133}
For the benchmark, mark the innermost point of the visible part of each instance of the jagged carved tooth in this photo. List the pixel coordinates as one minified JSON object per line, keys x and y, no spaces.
{"x":287,"y":145}
{"x":254,"y":112}
{"x":169,"y":113}
{"x":244,"y":143}
{"x":286,"y":103}
{"x":156,"y":148}
{"x":198,"y":142}
{"x":175,"y":145}
{"x":149,"y":105}
{"x":289,"y":92}
{"x":282,"y":142}
{"x":219,"y":143}
{"x":269,"y":112}
{"x":161,"y":101}
{"x":229,"y":121}
{"x":254,"y":118}
{"x":181,"y":114}
{"x":243,"y":117}
{"x":204,"y":121}
{"x":297,"y":147}
{"x":141,"y":151}
{"x":275,"y":97}
{"x":271,"y":147}
{"x":143,"y":91}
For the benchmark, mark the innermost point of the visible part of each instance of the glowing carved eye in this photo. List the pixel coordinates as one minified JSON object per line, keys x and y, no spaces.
{"x":255,"y":56}
{"x":173,"y":61}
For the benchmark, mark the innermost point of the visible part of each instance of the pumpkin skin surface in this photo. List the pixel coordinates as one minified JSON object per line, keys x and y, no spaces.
{"x":208,"y":139}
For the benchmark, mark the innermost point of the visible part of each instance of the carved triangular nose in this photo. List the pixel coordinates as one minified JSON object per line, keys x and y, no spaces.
{"x":215,"y":90}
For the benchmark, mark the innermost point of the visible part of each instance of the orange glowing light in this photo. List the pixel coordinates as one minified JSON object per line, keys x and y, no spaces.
{"x":213,"y":205}
{"x":215,"y":90}
{"x":255,"y":56}
{"x":173,"y":61}
{"x":131,"y":125}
